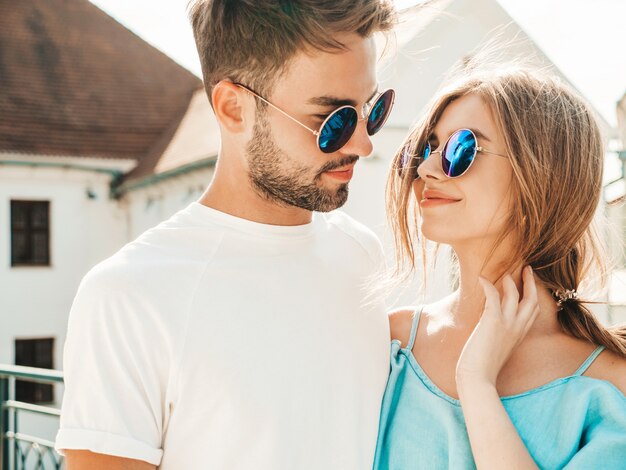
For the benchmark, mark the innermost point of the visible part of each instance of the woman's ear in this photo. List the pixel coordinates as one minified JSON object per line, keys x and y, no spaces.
{"x":229,"y":106}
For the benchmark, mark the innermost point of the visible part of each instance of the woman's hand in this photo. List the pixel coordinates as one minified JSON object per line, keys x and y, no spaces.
{"x":494,"y":440}
{"x":502,"y":326}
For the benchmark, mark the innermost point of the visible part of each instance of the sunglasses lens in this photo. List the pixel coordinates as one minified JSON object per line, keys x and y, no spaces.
{"x":337,"y":130}
{"x":380,"y":112}
{"x":427,"y":150}
{"x":459,"y":153}
{"x":406,"y":154}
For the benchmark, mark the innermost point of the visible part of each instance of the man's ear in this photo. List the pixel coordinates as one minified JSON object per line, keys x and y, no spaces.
{"x":229,"y":106}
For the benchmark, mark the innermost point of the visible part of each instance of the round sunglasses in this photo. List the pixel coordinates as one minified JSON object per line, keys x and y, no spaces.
{"x":339,"y":126}
{"x":457,"y":155}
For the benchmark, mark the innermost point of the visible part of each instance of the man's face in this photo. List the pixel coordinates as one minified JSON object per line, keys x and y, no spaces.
{"x":284,"y":161}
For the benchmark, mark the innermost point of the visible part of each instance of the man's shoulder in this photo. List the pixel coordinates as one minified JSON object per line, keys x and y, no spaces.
{"x":145,"y":266}
{"x":175,"y":244}
{"x":357,"y":232}
{"x":108,"y":273}
{"x":119,"y":289}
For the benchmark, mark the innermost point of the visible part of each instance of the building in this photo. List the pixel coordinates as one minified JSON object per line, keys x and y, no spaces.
{"x":90,"y":117}
{"x":615,"y":195}
{"x":89,"y":114}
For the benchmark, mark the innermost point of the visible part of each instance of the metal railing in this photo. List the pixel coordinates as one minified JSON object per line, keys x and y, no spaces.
{"x":21,"y":451}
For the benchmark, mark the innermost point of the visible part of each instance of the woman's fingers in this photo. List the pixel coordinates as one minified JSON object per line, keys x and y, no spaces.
{"x":530,"y":288}
{"x":530,"y":320}
{"x":510,"y":307}
{"x":510,"y":299}
{"x":530,"y":300}
{"x":528,"y":308}
{"x":492,"y":297}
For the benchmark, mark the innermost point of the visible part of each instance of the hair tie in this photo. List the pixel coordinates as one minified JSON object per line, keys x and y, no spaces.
{"x":565,"y":296}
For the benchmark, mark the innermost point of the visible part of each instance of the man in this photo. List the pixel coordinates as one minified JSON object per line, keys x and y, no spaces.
{"x":236,"y":334}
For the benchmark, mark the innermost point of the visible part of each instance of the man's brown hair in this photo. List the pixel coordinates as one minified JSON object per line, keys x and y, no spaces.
{"x":252,"y":41}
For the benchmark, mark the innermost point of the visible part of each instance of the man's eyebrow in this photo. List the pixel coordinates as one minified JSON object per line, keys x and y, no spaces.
{"x":331,"y":101}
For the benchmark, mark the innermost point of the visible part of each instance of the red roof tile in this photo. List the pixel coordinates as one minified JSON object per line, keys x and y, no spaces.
{"x":75,"y":82}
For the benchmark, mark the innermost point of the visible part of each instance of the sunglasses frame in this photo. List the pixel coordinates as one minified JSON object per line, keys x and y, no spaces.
{"x":318,"y":133}
{"x":477,"y":149}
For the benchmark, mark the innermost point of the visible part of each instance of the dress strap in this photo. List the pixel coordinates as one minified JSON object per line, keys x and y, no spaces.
{"x":416,"y":321}
{"x":585,"y":365}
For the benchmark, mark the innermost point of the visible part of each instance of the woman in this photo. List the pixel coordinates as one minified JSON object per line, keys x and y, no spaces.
{"x":506,"y":168}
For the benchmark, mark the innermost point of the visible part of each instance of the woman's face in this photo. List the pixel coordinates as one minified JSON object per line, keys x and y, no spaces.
{"x":476,"y":205}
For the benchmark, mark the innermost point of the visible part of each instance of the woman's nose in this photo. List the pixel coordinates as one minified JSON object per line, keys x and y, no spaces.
{"x":430,"y":168}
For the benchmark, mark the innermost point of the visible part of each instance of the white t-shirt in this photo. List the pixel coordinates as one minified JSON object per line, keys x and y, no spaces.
{"x":213,"y":342}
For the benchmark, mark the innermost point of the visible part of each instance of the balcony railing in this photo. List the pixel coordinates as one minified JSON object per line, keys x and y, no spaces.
{"x":18,"y":450}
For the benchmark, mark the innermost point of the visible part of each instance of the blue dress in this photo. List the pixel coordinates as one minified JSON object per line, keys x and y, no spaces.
{"x":575,"y":422}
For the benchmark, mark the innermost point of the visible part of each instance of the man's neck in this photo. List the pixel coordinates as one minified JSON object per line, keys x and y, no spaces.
{"x":239,"y":199}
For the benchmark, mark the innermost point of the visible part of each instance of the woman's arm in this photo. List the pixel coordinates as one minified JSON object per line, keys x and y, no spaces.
{"x":494,"y":440}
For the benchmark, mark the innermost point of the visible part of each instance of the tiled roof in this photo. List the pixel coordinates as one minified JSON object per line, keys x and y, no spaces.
{"x":195,"y":138}
{"x":75,"y":82}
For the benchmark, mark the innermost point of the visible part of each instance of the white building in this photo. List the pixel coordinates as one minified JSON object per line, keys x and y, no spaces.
{"x":615,"y":195}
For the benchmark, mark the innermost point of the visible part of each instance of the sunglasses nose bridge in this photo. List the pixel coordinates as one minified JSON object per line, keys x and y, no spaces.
{"x":365,"y":112}
{"x":439,"y":165}
{"x":431,"y":167}
{"x":359,"y":142}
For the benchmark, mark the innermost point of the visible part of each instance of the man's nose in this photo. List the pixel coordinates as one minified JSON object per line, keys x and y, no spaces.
{"x":360,"y":142}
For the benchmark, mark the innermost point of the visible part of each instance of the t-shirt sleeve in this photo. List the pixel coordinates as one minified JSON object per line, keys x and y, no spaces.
{"x":116,"y":367}
{"x":363,"y":235}
{"x":605,"y":440}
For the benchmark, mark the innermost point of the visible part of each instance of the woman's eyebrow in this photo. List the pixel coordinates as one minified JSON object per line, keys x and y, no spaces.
{"x":479,"y":134}
{"x":328,"y":101}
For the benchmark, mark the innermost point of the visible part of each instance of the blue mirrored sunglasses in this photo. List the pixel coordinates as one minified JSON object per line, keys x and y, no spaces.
{"x":339,"y":126}
{"x":457,"y":155}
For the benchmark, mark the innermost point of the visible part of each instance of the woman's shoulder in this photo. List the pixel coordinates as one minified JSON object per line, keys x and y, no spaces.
{"x":400,"y":323}
{"x":401,"y":319}
{"x":610,"y":367}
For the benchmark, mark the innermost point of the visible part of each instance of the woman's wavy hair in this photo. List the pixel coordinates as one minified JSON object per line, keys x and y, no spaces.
{"x":556,"y":151}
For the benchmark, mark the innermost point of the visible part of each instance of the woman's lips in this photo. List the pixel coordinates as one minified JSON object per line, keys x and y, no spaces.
{"x":436,"y":202}
{"x":432,"y":198}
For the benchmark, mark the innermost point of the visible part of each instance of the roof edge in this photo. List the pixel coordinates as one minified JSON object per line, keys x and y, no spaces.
{"x":118,"y":165}
{"x":150,"y":180}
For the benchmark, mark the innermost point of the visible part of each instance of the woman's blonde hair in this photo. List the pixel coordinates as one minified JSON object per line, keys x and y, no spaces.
{"x":556,"y":151}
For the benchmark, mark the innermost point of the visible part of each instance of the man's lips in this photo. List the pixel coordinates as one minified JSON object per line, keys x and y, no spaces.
{"x":343,"y":173}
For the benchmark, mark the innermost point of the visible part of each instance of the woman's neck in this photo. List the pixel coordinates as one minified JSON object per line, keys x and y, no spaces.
{"x":468,"y":301}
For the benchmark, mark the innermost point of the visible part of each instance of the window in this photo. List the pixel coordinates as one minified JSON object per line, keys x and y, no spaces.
{"x":34,"y":353}
{"x":30,"y":233}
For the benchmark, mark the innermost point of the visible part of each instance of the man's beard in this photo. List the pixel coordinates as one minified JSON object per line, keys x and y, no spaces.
{"x":277,"y":178}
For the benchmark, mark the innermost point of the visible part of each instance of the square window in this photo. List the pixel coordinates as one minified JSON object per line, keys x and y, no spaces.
{"x":34,"y":353}
{"x":30,"y":233}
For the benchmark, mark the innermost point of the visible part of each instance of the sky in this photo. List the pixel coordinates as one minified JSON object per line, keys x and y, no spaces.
{"x":586,"y":39}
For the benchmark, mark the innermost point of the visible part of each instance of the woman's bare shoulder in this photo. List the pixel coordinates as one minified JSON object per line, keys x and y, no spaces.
{"x":611,"y":367}
{"x":400,"y":322}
